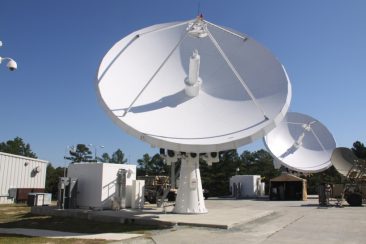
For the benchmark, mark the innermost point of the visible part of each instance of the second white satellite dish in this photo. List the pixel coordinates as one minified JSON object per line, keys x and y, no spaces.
{"x":193,"y":86}
{"x":344,"y":160}
{"x":301,"y":143}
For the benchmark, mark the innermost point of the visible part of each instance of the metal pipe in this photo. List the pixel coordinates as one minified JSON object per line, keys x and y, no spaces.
{"x":156,"y":72}
{"x":317,"y":138}
{"x":226,"y":30}
{"x":231,"y":66}
{"x":166,"y":27}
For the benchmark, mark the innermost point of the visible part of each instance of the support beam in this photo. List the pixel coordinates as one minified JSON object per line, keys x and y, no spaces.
{"x":190,"y":195}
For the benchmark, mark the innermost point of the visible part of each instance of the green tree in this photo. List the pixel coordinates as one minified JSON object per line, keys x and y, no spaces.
{"x":79,"y":154}
{"x":154,"y":165}
{"x":330,"y":176}
{"x":260,"y":163}
{"x":359,"y":149}
{"x":215,"y":178}
{"x":52,"y":179}
{"x":142,"y":165}
{"x":118,"y":157}
{"x":17,"y":147}
{"x":105,"y":158}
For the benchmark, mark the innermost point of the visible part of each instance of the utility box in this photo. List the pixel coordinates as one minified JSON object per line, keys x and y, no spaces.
{"x":39,"y":199}
{"x":138,"y":196}
{"x":13,"y":193}
{"x":67,"y":192}
{"x":35,"y":199}
{"x":47,"y":198}
{"x":246,"y":186}
{"x":97,"y":183}
{"x":121,"y":188}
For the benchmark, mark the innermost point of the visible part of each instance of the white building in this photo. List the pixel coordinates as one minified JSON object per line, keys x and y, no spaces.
{"x":246,"y":186}
{"x":21,"y":173}
{"x":96,"y":185}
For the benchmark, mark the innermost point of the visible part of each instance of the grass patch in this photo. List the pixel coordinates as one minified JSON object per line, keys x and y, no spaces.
{"x":19,"y":239}
{"x":19,"y":216}
{"x":73,"y":225}
{"x":13,"y":212}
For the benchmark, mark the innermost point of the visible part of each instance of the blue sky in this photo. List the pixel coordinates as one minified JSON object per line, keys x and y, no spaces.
{"x":51,"y":102}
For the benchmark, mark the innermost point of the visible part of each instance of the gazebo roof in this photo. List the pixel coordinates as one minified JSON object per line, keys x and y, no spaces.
{"x":287,"y":177}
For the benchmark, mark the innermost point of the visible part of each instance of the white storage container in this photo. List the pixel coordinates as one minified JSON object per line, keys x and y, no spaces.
{"x":249,"y":186}
{"x":97,"y":183}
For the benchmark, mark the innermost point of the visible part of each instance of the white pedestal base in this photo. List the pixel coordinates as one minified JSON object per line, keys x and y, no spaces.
{"x":190,"y":195}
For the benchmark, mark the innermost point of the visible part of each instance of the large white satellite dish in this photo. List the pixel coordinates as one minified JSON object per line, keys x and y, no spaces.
{"x":301,"y":143}
{"x":344,"y":161}
{"x":193,"y":86}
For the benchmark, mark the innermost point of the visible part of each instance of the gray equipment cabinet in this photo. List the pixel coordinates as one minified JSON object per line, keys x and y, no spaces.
{"x":67,"y":193}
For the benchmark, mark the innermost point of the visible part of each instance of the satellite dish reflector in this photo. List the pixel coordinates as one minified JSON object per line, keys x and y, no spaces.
{"x":343,"y":160}
{"x":193,"y":86}
{"x":277,"y":163}
{"x":301,"y":143}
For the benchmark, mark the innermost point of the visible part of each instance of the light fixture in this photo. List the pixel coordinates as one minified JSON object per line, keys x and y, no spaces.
{"x":95,"y":149}
{"x":12,"y":65}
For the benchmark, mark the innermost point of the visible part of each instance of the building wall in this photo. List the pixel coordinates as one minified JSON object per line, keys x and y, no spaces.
{"x":97,"y":183}
{"x":249,"y":186}
{"x":19,"y":172}
{"x":109,"y":182}
{"x":89,"y":185}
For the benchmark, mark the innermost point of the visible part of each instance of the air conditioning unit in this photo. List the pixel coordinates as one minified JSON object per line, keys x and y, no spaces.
{"x":12,"y":192}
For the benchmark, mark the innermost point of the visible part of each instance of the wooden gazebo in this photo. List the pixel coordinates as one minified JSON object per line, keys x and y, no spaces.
{"x":287,"y":187}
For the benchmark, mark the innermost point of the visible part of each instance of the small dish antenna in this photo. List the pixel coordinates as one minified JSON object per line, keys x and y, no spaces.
{"x":346,"y":163}
{"x":301,"y":143}
{"x":193,"y":87}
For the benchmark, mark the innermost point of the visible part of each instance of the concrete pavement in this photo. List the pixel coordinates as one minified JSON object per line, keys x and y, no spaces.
{"x":219,"y":216}
{"x":291,"y":222}
{"x":253,"y":221}
{"x":68,"y":235}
